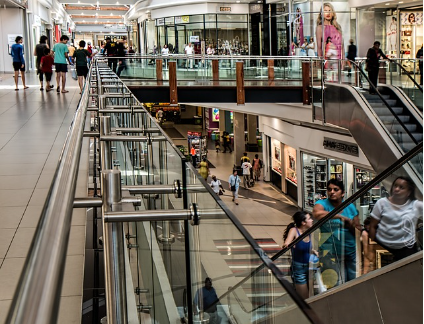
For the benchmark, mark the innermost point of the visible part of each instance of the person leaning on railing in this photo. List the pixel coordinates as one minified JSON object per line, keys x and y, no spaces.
{"x":373,"y":64}
{"x":394,"y":219}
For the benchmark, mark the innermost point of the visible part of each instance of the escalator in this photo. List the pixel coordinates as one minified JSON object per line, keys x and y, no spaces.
{"x":385,"y":126}
{"x":389,"y":292}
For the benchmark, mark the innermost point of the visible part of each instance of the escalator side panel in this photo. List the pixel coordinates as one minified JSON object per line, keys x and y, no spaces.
{"x":371,"y":137}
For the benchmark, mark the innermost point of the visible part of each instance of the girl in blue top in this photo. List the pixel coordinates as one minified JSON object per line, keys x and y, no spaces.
{"x":301,"y":252}
{"x":17,"y":52}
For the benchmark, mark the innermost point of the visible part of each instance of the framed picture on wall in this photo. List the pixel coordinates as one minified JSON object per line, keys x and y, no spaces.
{"x":277,"y":153}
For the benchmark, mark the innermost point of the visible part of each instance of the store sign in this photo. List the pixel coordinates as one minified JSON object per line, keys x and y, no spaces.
{"x":255,"y":8}
{"x":182,"y":20}
{"x":194,"y":39}
{"x":340,"y":146}
{"x":224,"y":9}
{"x":215,"y":114}
{"x":37,"y":20}
{"x":160,"y":22}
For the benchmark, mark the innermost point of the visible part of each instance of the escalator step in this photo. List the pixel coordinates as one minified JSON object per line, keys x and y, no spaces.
{"x":383,"y":111}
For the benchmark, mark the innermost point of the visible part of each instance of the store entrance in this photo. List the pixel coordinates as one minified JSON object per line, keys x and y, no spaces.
{"x":176,"y":36}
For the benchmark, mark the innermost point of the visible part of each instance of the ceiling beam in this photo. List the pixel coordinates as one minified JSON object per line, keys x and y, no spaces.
{"x":101,"y":8}
{"x":96,"y":23}
{"x":94,"y":17}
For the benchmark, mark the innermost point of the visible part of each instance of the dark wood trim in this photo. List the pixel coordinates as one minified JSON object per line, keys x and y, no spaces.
{"x":240,"y":83}
{"x":173,"y":94}
{"x":306,"y":80}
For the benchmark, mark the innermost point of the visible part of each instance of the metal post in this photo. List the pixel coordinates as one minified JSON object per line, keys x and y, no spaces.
{"x":166,"y":236}
{"x":106,"y":161}
{"x":114,"y":250}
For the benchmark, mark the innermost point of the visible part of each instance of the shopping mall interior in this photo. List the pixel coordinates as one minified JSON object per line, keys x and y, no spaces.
{"x":231,"y":162}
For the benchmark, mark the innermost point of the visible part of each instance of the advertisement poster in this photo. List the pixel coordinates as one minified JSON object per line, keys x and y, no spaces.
{"x":411,"y":18}
{"x":391,"y":34}
{"x":215,"y":114}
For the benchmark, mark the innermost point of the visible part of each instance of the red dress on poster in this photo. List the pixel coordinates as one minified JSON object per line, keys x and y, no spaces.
{"x":298,"y":24}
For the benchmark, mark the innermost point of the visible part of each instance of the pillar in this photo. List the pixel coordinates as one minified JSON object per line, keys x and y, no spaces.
{"x":222,"y":122}
{"x":239,"y":144}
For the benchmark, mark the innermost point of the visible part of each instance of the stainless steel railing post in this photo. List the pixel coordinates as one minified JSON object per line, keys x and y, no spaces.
{"x":114,"y":250}
{"x":106,"y":158}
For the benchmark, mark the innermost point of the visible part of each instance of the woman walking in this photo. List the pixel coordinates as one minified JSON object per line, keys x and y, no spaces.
{"x":18,"y":61}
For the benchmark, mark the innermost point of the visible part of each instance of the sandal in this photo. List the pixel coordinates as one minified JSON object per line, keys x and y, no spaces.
{"x":58,"y":89}
{"x":52,"y":86}
{"x":16,"y":89}
{"x":48,"y":90}
{"x":65,"y":91}
{"x":41,"y":89}
{"x":26,"y":87}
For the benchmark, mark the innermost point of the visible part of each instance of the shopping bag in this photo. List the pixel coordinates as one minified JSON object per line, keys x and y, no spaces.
{"x":74,"y":74}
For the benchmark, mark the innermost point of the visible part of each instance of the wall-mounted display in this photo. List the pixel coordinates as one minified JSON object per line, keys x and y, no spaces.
{"x":290,"y":163}
{"x":276,"y":157}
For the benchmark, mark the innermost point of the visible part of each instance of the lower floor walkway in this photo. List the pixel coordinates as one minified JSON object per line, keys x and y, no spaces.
{"x":33,"y":128}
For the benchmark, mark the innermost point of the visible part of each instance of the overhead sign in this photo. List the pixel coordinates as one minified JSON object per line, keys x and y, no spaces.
{"x":160,"y":22}
{"x":224,"y":9}
{"x":340,"y":146}
{"x":182,"y":20}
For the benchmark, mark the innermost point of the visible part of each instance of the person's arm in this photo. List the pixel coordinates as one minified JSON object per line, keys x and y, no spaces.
{"x":290,"y":237}
{"x":365,"y":248}
{"x":66,"y":53}
{"x":41,"y":63}
{"x":318,"y":39}
{"x":21,"y":54}
{"x":35,"y":51}
{"x":373,"y":228}
{"x":319,"y":212}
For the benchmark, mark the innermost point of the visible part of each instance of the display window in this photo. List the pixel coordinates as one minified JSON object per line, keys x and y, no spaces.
{"x":290,"y":162}
{"x":411,"y":37}
{"x":276,"y":157}
{"x":316,"y":173}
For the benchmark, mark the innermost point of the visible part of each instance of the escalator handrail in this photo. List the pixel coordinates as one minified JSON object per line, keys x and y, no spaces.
{"x":408,"y":74}
{"x":386,"y":103}
{"x":352,"y":198}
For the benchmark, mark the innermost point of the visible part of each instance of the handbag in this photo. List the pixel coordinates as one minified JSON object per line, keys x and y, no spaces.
{"x":233,"y":188}
{"x":74,"y":74}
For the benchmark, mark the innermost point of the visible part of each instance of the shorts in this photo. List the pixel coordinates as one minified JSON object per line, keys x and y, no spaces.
{"x":82,"y":71}
{"x":17,"y":66}
{"x":300,"y":272}
{"x":61,"y":67}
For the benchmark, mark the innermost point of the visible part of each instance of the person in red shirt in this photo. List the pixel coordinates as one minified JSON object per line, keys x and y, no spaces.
{"x":46,"y":65}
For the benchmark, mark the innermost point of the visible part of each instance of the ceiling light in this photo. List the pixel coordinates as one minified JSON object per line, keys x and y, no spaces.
{"x":96,"y":21}
{"x":387,"y":4}
{"x":83,"y":21}
{"x":117,"y":2}
{"x":79,"y":1}
{"x":82,"y":13}
{"x":111,"y":14}
{"x":238,"y":1}
{"x":97,"y":14}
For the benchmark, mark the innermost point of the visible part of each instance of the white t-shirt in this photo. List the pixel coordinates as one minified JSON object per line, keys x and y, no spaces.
{"x":246,"y":166}
{"x":189,"y":50}
{"x":397,"y":222}
{"x":210,"y":51}
{"x":215,"y":185}
{"x":165,"y":51}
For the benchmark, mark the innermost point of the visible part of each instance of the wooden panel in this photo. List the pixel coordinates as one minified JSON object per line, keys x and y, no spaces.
{"x":271,"y":70}
{"x":173,"y":95}
{"x":215,"y":72}
{"x":306,"y":80}
{"x":159,"y":74}
{"x":240,"y":83}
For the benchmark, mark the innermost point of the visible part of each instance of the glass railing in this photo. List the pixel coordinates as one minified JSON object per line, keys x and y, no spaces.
{"x":402,"y":73}
{"x":200,"y":68}
{"x":374,"y":227}
{"x":171,"y":259}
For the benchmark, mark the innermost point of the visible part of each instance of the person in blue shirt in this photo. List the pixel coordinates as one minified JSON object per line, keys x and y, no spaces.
{"x":338,"y":234}
{"x":234,"y":185}
{"x":206,"y":300}
{"x":61,"y":62}
{"x":17,"y":52}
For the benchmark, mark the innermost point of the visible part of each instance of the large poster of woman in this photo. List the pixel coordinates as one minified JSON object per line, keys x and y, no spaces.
{"x":330,"y":32}
{"x":298,"y":27}
{"x":391,"y":38}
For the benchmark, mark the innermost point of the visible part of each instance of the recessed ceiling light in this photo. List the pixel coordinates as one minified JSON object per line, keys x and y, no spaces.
{"x":83,"y":21}
{"x":82,"y":13}
{"x":117,"y":2}
{"x":97,"y":14}
{"x":387,"y":4}
{"x":111,"y":14}
{"x":79,"y":1}
{"x":95,"y":21}
{"x":238,"y":1}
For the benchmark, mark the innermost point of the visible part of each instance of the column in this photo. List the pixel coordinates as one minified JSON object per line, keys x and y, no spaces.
{"x":252,"y":125}
{"x":222,"y":122}
{"x":239,"y":144}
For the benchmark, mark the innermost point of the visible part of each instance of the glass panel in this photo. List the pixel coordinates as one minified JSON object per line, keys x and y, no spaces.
{"x":378,"y":228}
{"x":228,"y":259}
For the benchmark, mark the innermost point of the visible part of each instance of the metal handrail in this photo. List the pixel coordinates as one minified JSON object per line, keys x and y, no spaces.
{"x":37,"y":296}
{"x":398,"y":164}
{"x":385,"y":102}
{"x":395,"y":60}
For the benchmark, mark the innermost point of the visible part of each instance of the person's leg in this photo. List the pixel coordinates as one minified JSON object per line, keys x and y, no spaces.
{"x":40,"y":77}
{"x":58,"y":74}
{"x":236,"y":195}
{"x":245,"y":181}
{"x":16,"y":79}
{"x":373,"y":76}
{"x":80,"y":81}
{"x":350,"y":265}
{"x":48,"y":79}
{"x":63,"y":82}
{"x":23,"y":78}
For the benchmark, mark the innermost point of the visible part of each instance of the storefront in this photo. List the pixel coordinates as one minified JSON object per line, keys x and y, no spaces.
{"x":283,"y":166}
{"x":226,"y":33}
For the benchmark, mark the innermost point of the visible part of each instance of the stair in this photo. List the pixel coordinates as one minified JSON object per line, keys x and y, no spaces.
{"x":396,"y":129}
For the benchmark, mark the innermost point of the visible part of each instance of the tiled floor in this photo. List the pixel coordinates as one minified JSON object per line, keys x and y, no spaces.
{"x":33,"y":127}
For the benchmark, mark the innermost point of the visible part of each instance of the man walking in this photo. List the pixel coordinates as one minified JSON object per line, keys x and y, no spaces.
{"x":61,"y":62}
{"x":110,"y":52}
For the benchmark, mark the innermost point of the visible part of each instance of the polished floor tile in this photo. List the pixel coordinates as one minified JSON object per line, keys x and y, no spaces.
{"x":10,"y":217}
